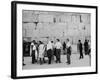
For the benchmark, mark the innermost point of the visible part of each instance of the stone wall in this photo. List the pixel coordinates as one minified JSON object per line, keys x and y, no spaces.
{"x":40,"y":25}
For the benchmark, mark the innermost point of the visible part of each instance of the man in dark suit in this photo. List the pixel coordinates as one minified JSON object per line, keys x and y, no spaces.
{"x":68,"y":47}
{"x":64,"y":47}
{"x":80,"y":49}
{"x":23,"y":52}
{"x":33,"y":47}
{"x":86,"y":47}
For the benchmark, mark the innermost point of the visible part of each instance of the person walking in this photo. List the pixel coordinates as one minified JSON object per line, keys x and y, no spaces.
{"x":80,"y":49}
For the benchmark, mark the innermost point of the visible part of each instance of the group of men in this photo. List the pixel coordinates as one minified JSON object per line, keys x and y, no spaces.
{"x":87,"y":48}
{"x":39,"y":51}
{"x":51,"y":50}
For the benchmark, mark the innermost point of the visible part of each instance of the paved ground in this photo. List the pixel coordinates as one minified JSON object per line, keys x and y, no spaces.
{"x":75,"y":62}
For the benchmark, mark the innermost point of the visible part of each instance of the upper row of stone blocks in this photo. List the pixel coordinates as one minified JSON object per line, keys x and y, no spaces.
{"x":30,"y":16}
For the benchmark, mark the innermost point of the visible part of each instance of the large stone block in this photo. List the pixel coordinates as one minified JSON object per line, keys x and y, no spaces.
{"x":45,"y":18}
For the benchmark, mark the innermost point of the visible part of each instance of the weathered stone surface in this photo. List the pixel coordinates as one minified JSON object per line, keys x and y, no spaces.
{"x":39,"y":24}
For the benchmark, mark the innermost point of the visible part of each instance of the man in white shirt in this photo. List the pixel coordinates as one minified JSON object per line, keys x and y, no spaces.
{"x":49,"y":51}
{"x":58,"y":46}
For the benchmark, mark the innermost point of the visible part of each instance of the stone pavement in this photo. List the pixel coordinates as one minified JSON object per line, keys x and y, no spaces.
{"x":75,"y":62}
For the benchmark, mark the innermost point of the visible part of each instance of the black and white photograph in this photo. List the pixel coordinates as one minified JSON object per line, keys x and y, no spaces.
{"x":54,"y":39}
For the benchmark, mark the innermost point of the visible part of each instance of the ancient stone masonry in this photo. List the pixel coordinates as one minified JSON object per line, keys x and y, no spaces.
{"x":43,"y":24}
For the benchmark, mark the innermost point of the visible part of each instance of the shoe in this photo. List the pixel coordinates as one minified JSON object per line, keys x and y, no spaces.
{"x":24,"y":64}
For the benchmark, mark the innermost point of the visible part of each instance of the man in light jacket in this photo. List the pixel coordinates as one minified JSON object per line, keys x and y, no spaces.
{"x":58,"y":47}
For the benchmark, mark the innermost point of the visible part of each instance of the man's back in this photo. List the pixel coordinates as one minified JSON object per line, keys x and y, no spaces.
{"x":58,"y":45}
